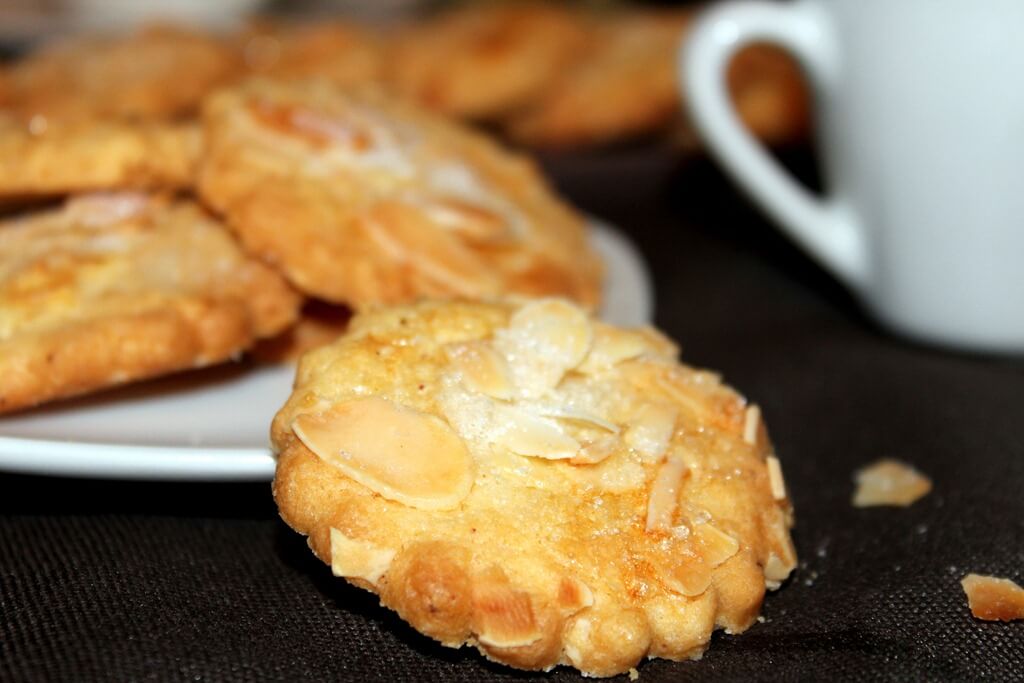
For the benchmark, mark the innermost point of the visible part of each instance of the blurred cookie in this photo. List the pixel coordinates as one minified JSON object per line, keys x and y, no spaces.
{"x":542,"y":486}
{"x":485,"y":58}
{"x":361,"y":200}
{"x":624,"y":86}
{"x":55,"y":158}
{"x":343,"y":53}
{"x":114,"y":288}
{"x":158,"y":72}
{"x":770,"y":95}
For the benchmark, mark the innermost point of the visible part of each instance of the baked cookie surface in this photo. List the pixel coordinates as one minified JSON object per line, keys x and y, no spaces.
{"x":113,"y":288}
{"x":545,"y":487}
{"x":484,"y":59}
{"x":57,"y":158}
{"x":158,"y":72}
{"x":626,"y":84}
{"x":360,"y":199}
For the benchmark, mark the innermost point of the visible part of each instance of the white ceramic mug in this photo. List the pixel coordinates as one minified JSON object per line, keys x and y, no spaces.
{"x":920,"y":120}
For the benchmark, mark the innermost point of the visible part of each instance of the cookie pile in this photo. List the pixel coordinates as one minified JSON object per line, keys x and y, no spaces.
{"x":177,"y":200}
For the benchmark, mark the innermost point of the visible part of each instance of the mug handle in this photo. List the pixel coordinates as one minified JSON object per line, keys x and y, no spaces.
{"x":824,"y":227}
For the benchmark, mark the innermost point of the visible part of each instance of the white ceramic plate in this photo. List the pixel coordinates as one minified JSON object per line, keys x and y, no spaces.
{"x":213,"y":425}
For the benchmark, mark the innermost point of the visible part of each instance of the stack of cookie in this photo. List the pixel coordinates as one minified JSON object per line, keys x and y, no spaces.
{"x":205,"y":210}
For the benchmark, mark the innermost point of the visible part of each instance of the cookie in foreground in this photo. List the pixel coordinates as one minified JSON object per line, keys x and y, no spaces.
{"x":118,"y":287}
{"x":525,"y":479}
{"x":362,"y":200}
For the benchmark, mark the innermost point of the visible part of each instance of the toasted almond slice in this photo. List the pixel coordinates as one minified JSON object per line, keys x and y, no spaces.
{"x":574,"y":595}
{"x":612,"y":346}
{"x":716,"y":545}
{"x":471,"y":220}
{"x":775,"y":571}
{"x":545,"y":339}
{"x":502,"y":616}
{"x":889,"y":482}
{"x":751,"y":424}
{"x":992,"y":598}
{"x":566,"y":413}
{"x":356,"y":559}
{"x":685,"y":573}
{"x":651,"y":429}
{"x":596,"y":451}
{"x":775,"y":480}
{"x":483,"y":369}
{"x":663,"y":498}
{"x":527,"y":434}
{"x":404,"y":455}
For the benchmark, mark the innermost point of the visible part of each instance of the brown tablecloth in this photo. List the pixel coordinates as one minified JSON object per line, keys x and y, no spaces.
{"x":138,"y":581}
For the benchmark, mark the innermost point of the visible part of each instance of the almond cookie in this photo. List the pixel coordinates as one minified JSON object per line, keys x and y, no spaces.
{"x":532,"y":482}
{"x":119,"y":287}
{"x":54,"y":158}
{"x":159,"y":72}
{"x":485,"y":59}
{"x":626,"y":85}
{"x":343,"y":53}
{"x":360,"y":199}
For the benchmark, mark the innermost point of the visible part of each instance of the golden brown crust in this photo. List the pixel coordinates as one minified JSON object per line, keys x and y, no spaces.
{"x":675,"y":530}
{"x":114,"y":288}
{"x":319,"y":323}
{"x":55,"y":158}
{"x":485,"y":58}
{"x":361,"y":200}
{"x":158,"y":72}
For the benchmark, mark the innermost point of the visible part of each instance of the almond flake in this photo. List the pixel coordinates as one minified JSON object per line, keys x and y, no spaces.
{"x":663,"y":499}
{"x":574,"y":595}
{"x":889,"y":482}
{"x":775,"y":480}
{"x":992,"y":598}
{"x":596,"y":451}
{"x":358,"y":559}
{"x":716,"y":545}
{"x":610,"y":347}
{"x":751,"y":424}
{"x":483,"y":369}
{"x":503,"y":616}
{"x":527,"y":434}
{"x":686,"y":574}
{"x":544,"y":340}
{"x":404,"y":455}
{"x":564,"y":413}
{"x":651,"y":429}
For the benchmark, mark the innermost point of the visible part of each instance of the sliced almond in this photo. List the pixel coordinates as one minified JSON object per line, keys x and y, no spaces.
{"x":716,"y":546}
{"x":471,"y":220}
{"x":402,"y":454}
{"x":663,"y":498}
{"x":571,"y":414}
{"x":776,"y":571}
{"x":355,"y":559}
{"x":684,"y":573}
{"x":775,"y":480}
{"x":992,"y":598}
{"x":502,"y":616}
{"x":596,"y":451}
{"x":544,"y":340}
{"x":889,"y":482}
{"x":483,"y":369}
{"x":610,"y":347}
{"x":650,"y":430}
{"x":574,"y":595}
{"x":751,"y":424}
{"x":526,"y":434}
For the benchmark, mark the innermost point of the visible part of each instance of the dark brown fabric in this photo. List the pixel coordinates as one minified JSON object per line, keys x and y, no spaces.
{"x":159,"y":581}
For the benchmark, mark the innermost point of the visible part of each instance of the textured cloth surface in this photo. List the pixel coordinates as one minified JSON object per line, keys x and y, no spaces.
{"x":168,"y":581}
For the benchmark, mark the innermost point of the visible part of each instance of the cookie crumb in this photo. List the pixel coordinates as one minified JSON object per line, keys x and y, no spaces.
{"x":634,"y":674}
{"x":889,"y":482}
{"x":992,"y":598}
